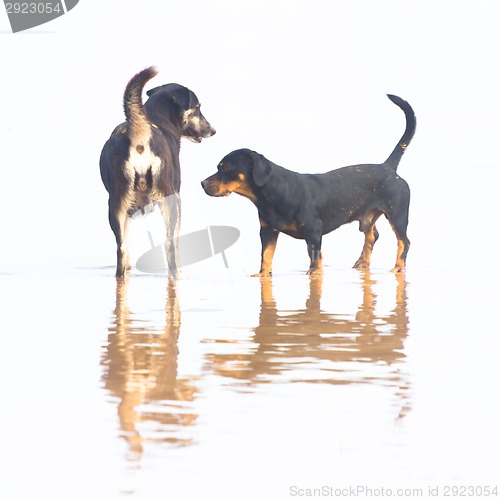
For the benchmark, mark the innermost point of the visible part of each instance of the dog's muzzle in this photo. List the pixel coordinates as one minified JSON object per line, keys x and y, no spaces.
{"x":197,"y":134}
{"x":211,"y":187}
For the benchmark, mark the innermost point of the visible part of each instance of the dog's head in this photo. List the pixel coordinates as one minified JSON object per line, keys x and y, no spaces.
{"x":183,"y":108}
{"x":242,"y":171}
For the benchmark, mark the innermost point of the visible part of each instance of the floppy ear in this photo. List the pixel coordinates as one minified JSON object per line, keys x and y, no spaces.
{"x":184,"y":98}
{"x":152,"y":91}
{"x":176,"y":96}
{"x":261,"y":169}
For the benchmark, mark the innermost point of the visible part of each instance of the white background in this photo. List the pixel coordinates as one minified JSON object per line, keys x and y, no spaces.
{"x":302,"y":83}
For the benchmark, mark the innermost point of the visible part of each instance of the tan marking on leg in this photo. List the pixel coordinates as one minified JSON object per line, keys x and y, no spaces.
{"x":400,"y":263}
{"x":122,"y":254}
{"x":267,"y":259}
{"x":365,"y":258}
{"x":316,"y":266}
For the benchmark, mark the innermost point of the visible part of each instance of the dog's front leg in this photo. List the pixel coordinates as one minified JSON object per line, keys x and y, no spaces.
{"x":314,"y":251}
{"x":171,"y":212}
{"x":268,"y":238}
{"x":313,"y":240}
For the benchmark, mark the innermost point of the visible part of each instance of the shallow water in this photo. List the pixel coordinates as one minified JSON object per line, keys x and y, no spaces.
{"x":225,"y":386}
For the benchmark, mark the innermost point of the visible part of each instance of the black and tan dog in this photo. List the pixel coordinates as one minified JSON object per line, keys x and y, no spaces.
{"x":140,"y":161}
{"x":307,"y":206}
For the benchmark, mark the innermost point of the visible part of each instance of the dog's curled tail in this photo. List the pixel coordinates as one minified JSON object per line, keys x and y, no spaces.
{"x":138,"y":126}
{"x":411,"y":125}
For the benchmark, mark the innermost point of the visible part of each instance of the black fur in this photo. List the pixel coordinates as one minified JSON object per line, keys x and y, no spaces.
{"x":307,"y":206}
{"x":139,"y":163}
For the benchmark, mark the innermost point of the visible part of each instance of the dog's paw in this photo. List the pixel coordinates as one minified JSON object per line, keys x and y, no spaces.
{"x":361,"y":264}
{"x":174,"y":274}
{"x":262,"y":274}
{"x":398,"y":269}
{"x":315,"y":272}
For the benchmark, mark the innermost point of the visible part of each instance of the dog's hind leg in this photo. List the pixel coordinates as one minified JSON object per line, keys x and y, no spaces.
{"x":119,"y":222}
{"x":399,"y":226}
{"x":171,"y":211}
{"x":396,"y":210}
{"x":403,"y":247}
{"x":371,"y":236}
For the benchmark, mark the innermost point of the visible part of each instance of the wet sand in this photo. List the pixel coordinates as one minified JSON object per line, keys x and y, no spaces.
{"x":226,"y":386}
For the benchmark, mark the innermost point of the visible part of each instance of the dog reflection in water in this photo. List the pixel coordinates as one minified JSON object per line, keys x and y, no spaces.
{"x":365,"y":347}
{"x":192,"y":248}
{"x":141,"y":371}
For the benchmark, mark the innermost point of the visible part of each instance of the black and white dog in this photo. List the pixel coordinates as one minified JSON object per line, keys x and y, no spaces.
{"x":140,"y":161}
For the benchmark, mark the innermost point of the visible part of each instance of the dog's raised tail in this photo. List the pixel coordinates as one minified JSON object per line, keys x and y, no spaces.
{"x":138,"y":126}
{"x":411,"y":125}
